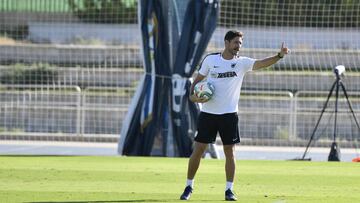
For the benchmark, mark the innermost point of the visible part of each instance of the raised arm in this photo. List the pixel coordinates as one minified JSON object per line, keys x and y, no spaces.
{"x":266,"y":62}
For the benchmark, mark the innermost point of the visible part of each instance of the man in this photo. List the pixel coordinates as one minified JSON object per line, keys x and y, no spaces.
{"x":225,"y":71}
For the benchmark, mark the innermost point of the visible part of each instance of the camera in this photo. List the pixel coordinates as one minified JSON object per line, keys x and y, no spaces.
{"x":339,"y":70}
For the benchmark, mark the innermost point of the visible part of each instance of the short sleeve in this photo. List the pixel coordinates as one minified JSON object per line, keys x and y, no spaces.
{"x":205,"y":66}
{"x":248,"y":63}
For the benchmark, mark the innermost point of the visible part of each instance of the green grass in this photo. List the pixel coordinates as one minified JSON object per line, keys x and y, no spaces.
{"x":139,"y":179}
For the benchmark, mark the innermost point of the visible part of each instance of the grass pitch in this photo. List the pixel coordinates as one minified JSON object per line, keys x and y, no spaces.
{"x":140,"y":179}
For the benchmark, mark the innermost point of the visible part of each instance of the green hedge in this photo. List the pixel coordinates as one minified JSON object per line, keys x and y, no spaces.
{"x":304,"y":13}
{"x":105,"y":11}
{"x":36,"y":74}
{"x":298,"y":13}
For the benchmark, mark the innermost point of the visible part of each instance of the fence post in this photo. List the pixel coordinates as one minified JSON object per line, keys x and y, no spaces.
{"x":292,"y":122}
{"x":78,"y":111}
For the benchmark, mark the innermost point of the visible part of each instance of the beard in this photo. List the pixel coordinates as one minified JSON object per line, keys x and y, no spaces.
{"x":235,"y":52}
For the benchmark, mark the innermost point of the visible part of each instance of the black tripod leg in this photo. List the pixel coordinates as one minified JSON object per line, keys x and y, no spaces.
{"x":350,"y":106}
{"x":336,"y":108}
{"x":318,"y":122}
{"x":334,"y":154}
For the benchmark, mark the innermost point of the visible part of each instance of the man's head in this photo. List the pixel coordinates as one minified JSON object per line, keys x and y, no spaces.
{"x":233,"y":40}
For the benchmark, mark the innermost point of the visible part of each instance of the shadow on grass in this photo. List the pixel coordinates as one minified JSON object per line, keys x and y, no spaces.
{"x":109,"y":201}
{"x":114,"y":201}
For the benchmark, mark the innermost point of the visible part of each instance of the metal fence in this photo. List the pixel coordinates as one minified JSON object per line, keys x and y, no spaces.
{"x":266,"y":117}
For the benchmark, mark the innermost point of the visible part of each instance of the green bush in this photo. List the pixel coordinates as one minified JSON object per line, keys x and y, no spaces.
{"x":35,"y":74}
{"x":299,"y":13}
{"x":16,"y":32}
{"x":105,"y":11}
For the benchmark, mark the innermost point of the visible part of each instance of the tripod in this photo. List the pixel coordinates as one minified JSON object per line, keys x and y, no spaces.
{"x":334,"y":151}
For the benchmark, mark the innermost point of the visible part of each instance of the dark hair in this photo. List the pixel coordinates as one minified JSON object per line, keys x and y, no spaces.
{"x":231,"y":34}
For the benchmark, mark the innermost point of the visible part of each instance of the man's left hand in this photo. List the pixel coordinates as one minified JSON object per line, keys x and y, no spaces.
{"x":284,"y":50}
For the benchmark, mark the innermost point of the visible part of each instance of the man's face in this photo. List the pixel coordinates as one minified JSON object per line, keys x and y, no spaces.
{"x":234,"y":45}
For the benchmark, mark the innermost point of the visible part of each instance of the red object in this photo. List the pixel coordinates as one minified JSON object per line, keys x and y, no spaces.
{"x":357,"y":159}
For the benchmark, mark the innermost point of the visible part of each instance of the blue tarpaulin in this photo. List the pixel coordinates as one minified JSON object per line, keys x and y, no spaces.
{"x":161,"y":120}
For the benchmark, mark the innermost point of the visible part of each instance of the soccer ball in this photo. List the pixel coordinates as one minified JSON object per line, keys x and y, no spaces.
{"x":204,"y":90}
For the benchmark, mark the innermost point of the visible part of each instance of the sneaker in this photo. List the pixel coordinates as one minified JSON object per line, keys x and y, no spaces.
{"x":229,"y":195}
{"x":187,"y":193}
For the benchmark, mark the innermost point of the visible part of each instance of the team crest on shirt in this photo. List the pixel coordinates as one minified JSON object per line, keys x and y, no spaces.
{"x":233,"y":65}
{"x":216,"y":66}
